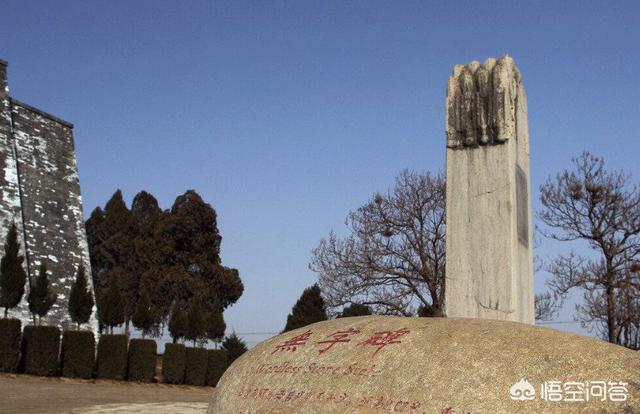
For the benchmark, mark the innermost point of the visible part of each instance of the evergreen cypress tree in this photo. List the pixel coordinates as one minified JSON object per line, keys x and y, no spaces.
{"x":189,"y":236}
{"x":80,"y":299}
{"x":119,"y":229}
{"x":195,"y":322}
{"x":177,"y":322}
{"x":111,"y":310}
{"x":12,"y":274}
{"x":355,"y":309}
{"x":41,"y":298}
{"x":146,"y":211}
{"x":150,"y":256}
{"x":143,"y":316}
{"x":310,"y":308}
{"x":95,"y":238}
{"x":167,"y":255}
{"x":234,"y":346}
{"x":214,"y":326}
{"x":426,"y":311}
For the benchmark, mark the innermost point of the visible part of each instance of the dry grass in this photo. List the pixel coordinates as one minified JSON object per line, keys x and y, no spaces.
{"x":28,"y":394}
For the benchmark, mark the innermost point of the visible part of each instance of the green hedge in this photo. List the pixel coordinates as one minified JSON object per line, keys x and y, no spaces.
{"x":10,"y":336}
{"x":216,"y":365}
{"x":41,"y":350}
{"x":112,"y":357}
{"x":173,"y":363}
{"x":142,"y":360}
{"x":78,"y":356}
{"x":196,"y":366}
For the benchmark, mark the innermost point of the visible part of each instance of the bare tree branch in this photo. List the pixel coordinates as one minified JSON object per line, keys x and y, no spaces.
{"x":394,"y":257}
{"x":546,"y":306}
{"x":602,"y":208}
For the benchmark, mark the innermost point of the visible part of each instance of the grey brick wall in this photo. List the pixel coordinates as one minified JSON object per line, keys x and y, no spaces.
{"x":38,"y":155}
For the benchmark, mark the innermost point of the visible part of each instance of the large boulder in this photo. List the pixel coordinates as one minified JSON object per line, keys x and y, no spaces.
{"x":382,"y":364}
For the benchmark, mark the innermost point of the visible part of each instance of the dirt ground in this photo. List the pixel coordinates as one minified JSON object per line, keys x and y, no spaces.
{"x":27,"y":394}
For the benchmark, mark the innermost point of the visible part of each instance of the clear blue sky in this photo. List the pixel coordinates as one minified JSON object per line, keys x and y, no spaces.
{"x":286,"y":115}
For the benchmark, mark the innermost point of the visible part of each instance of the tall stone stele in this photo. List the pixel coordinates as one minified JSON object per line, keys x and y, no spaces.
{"x":489,"y":238}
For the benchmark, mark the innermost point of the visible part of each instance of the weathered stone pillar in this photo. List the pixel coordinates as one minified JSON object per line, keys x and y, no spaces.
{"x":489,"y":235}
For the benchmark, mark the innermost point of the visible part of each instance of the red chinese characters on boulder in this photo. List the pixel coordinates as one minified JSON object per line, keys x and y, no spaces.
{"x":384,"y":338}
{"x":449,"y":410}
{"x":292,"y":344}
{"x":338,"y":337}
{"x":379,"y":340}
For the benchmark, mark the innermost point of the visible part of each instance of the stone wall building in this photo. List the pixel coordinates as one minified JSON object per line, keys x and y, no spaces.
{"x":40,"y":192}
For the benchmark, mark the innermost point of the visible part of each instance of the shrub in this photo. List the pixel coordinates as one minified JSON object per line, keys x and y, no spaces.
{"x":195,"y":323}
{"x":216,"y":365}
{"x":214,"y":326}
{"x":41,"y":350}
{"x":80,"y":299}
{"x":196,"y":366}
{"x":177,"y":322}
{"x":310,"y":308}
{"x":41,"y":297}
{"x":112,"y":357}
{"x":12,"y":274}
{"x":142,"y":360}
{"x":144,"y":315}
{"x":78,"y":356}
{"x":355,"y":309}
{"x":110,"y":301}
{"x":10,"y":335}
{"x":174,"y":363}
{"x":234,"y":346}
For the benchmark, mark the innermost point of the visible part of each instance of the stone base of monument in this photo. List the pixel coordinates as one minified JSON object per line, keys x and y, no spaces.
{"x":382,"y":364}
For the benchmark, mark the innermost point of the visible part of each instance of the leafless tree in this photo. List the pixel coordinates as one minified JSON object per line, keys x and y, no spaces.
{"x":601,"y":208}
{"x":628,"y":317}
{"x":393,"y":260}
{"x":546,"y":306}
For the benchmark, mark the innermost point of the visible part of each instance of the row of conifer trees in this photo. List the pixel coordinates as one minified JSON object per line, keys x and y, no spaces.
{"x":181,"y":286}
{"x":160,"y":269}
{"x":192,"y":324}
{"x":41,"y":296}
{"x":38,"y":352}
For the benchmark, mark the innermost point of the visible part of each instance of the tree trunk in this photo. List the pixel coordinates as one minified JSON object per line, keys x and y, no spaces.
{"x":611,"y":309}
{"x":6,"y":310}
{"x":438,"y":311}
